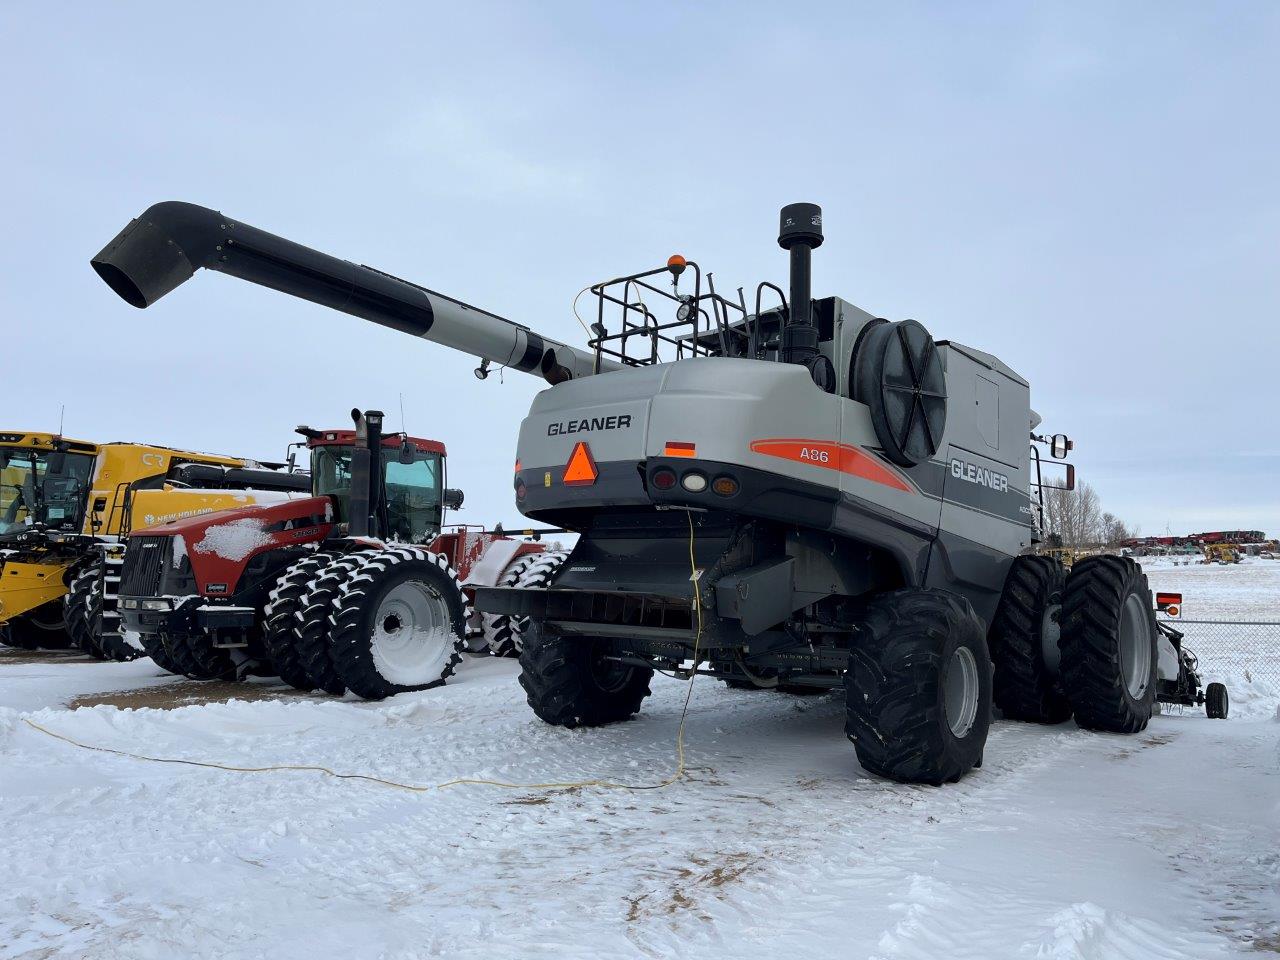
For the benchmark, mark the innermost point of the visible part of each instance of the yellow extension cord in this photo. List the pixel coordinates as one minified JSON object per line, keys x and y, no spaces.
{"x":474,"y":781}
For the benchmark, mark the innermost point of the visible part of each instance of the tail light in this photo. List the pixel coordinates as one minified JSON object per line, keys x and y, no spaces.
{"x":663,"y":479}
{"x":725,"y":486}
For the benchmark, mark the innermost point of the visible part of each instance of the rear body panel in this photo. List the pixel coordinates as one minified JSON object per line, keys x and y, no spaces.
{"x":806,"y":463}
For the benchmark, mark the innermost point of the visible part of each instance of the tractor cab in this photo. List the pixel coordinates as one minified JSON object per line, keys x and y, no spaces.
{"x":44,"y":483}
{"x":413,"y":501}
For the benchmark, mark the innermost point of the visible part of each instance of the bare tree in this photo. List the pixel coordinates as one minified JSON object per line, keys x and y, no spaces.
{"x":1114,"y":530}
{"x":1074,"y":515}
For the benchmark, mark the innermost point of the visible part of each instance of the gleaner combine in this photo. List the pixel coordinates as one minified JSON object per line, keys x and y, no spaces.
{"x":65,"y":507}
{"x":798,"y":495}
{"x":356,"y":587}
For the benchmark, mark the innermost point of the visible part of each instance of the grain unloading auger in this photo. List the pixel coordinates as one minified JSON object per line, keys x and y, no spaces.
{"x":164,"y":247}
{"x":804,"y":496}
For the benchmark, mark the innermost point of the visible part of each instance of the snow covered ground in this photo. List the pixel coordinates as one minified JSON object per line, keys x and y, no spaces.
{"x":1065,"y":844}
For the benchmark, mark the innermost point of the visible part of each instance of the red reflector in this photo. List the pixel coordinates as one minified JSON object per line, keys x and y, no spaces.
{"x":581,"y":470}
{"x":1165,"y":599}
{"x":664,"y":479}
{"x":676,"y":449}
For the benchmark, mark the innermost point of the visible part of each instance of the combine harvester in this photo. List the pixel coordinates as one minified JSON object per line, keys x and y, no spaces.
{"x":65,"y":507}
{"x":803,"y":496}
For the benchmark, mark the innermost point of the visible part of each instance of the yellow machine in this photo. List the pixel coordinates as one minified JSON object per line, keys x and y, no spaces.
{"x":65,"y":506}
{"x":1065,"y":555}
{"x":1221,"y":553}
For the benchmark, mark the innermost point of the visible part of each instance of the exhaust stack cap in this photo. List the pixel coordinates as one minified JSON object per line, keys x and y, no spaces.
{"x":800,"y":223}
{"x":142,"y":264}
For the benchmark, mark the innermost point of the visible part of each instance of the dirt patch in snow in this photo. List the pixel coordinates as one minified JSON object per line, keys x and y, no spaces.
{"x":188,"y":693}
{"x":705,"y":877}
{"x":15,"y":655}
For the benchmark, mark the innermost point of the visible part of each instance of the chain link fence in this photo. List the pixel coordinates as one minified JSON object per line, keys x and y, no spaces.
{"x":1233,"y":651}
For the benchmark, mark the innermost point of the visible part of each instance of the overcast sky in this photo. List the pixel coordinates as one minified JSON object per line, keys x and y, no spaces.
{"x":1089,"y":191}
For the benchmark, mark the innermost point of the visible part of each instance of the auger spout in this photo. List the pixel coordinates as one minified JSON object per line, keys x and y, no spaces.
{"x":164,"y":247}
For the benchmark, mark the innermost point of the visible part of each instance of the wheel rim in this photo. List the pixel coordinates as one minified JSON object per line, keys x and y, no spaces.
{"x":609,"y":676}
{"x":960,"y":692}
{"x":413,"y":634}
{"x":1135,"y":646}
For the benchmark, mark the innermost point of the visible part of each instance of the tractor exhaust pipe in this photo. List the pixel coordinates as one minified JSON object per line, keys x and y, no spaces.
{"x":362,"y":470}
{"x":799,"y":233}
{"x":169,"y":242}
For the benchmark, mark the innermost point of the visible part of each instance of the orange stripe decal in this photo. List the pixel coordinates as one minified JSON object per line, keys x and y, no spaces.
{"x":834,"y":456}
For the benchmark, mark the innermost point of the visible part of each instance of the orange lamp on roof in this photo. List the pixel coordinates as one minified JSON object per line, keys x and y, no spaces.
{"x":581,"y":470}
{"x":676,"y":264}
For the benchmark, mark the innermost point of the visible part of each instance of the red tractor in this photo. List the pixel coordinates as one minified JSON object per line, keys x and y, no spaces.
{"x":357,"y":587}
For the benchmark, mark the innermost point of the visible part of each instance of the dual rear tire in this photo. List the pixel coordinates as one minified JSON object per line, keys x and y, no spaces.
{"x":398,"y":624}
{"x":1081,"y":645}
{"x":89,"y":609}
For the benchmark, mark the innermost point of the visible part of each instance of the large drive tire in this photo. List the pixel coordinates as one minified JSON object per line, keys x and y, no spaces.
{"x":153,"y":644}
{"x":1216,"y":703}
{"x":499,"y":628}
{"x":311,"y":633}
{"x":280,"y":618}
{"x":897,"y":372}
{"x":1024,"y":642}
{"x":42,"y":628}
{"x":399,"y":623}
{"x":918,"y":687}
{"x":19,"y":639}
{"x":568,"y":684}
{"x":1108,"y":645}
{"x":91,"y":615}
{"x":196,"y":657}
{"x":77,"y":611}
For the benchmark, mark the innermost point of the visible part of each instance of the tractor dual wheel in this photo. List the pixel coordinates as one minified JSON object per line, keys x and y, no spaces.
{"x":153,"y":645}
{"x":1108,"y":644}
{"x":311,"y":629}
{"x":89,"y":609}
{"x":280,"y":619}
{"x":918,"y":687}
{"x":399,"y":623}
{"x":1024,"y":642}
{"x":499,"y":633}
{"x":197,"y":658}
{"x":1216,"y":702}
{"x":569,"y":683}
{"x":506,"y":632}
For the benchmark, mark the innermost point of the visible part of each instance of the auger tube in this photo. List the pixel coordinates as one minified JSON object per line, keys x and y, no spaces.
{"x":170,"y":241}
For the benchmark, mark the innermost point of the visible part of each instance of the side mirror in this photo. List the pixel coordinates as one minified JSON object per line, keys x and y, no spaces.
{"x":1060,"y":446}
{"x":452,"y":498}
{"x":1071,"y":477}
{"x":407,"y":453}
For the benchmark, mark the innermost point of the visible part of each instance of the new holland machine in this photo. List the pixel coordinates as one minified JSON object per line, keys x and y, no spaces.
{"x":64,"y":507}
{"x":793,"y":494}
{"x":357,"y":586}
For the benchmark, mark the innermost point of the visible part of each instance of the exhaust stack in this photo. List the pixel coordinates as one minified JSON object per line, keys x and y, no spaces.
{"x":799,"y":233}
{"x":169,"y":242}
